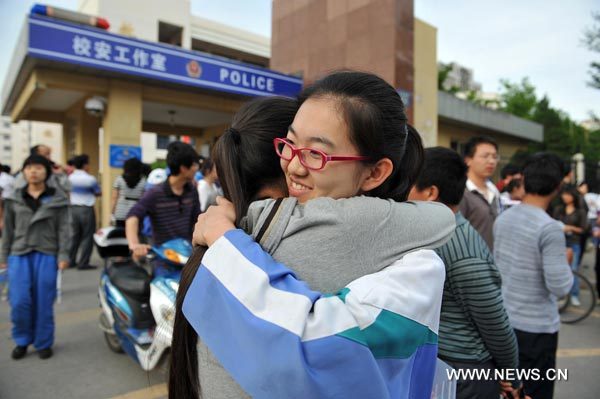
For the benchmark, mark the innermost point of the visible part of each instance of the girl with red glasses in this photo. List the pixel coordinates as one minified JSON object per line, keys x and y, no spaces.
{"x":376,"y":335}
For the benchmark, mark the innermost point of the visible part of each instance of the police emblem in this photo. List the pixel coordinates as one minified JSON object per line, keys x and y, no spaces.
{"x":194,"y":70}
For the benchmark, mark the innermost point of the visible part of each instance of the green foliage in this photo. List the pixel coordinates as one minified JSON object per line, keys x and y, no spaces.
{"x":592,"y":148}
{"x":159,"y":163}
{"x":591,"y":40}
{"x":561,"y":134}
{"x":518,"y":98}
{"x":443,"y":72}
{"x":546,"y":115}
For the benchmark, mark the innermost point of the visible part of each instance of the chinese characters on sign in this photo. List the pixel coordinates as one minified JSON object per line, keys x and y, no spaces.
{"x":102,"y":50}
{"x":93,"y":48}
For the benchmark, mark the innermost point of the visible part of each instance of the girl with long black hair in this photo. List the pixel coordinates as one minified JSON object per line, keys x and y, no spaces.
{"x":261,"y":322}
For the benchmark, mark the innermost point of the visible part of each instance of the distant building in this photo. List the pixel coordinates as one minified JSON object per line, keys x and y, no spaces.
{"x":460,"y":77}
{"x":162,"y":74}
{"x":5,"y":141}
{"x":591,"y":124}
{"x":26,"y":134}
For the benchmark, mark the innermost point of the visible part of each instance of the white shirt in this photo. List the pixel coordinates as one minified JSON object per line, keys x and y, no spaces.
{"x":507,"y":202}
{"x":491,"y":193}
{"x":591,"y":199}
{"x":7,"y":184}
{"x":84,"y":188}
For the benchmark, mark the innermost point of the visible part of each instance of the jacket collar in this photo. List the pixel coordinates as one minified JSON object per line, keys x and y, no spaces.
{"x":57,"y":198}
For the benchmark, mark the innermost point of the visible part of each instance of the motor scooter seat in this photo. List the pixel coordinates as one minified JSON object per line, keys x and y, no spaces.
{"x":131,"y":279}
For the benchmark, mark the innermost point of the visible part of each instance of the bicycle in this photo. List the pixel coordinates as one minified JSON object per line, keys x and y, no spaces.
{"x":570,"y":314}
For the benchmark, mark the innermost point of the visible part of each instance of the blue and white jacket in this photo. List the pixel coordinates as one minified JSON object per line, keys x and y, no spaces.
{"x":375,"y":338}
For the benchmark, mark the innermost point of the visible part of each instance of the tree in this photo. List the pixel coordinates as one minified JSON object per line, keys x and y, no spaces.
{"x":443,"y":72}
{"x":561,"y":135}
{"x":518,"y":99}
{"x":546,"y":115}
{"x":591,"y":39}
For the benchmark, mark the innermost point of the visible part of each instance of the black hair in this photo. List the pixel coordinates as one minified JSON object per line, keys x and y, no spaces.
{"x":566,"y":168}
{"x":509,"y":170}
{"x":572,"y":191}
{"x":6,"y":169}
{"x":543,"y":173}
{"x":132,"y":172}
{"x":180,"y":154}
{"x":246,"y":162}
{"x":513,"y":184}
{"x":37,"y":159}
{"x":71,"y":161}
{"x":35,"y":149}
{"x":146,"y":169}
{"x":446,"y":170}
{"x":377,"y":122}
{"x":471,"y":145}
{"x":80,"y":161}
{"x":207,"y":165}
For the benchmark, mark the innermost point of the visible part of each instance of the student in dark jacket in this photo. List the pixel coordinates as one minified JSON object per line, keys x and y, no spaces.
{"x":574,"y":220}
{"x":35,"y":245}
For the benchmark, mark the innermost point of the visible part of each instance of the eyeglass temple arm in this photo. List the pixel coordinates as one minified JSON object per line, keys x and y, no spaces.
{"x":345,"y":158}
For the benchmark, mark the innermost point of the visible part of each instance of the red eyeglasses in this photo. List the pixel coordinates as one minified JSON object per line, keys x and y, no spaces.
{"x":310,"y":158}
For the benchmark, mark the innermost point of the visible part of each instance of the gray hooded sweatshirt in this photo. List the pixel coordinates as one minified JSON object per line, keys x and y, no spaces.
{"x":46,"y":230}
{"x":329,"y":243}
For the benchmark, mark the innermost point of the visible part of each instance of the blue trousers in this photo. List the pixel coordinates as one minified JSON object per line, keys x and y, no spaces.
{"x":574,"y":266}
{"x":32,"y":280}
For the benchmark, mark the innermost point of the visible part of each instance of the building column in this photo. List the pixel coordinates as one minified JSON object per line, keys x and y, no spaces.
{"x":87,"y":140}
{"x":122,"y":125}
{"x":80,"y":136}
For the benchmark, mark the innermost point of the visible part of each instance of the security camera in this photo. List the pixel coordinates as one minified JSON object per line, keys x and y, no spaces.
{"x":95,"y":106}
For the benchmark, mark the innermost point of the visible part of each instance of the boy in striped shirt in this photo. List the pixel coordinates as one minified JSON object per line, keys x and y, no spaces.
{"x":173,"y":206}
{"x":474,"y":329}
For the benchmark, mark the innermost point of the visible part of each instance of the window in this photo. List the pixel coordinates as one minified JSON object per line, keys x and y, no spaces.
{"x":162,"y":142}
{"x":170,"y":34}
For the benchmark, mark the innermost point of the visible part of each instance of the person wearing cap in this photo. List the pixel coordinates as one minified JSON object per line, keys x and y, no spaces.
{"x":172,"y":206}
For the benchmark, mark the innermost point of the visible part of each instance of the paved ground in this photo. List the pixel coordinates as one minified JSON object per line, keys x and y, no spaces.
{"x":83,"y":367}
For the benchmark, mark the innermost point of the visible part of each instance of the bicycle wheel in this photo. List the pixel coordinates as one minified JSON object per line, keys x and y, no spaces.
{"x":587,"y":296}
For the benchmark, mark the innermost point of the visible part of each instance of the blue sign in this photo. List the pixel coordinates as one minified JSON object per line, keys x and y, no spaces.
{"x":95,"y":48}
{"x":121,"y":153}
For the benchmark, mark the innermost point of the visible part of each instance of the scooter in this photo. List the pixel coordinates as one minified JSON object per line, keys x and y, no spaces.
{"x":137,"y":309}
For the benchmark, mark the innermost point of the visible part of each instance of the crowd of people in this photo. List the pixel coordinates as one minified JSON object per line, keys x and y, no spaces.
{"x":334,"y":255}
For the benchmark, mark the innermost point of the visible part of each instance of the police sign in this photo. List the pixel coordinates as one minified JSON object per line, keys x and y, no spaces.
{"x":96,"y":48}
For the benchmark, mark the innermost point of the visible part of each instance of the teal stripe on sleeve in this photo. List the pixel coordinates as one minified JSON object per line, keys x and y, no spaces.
{"x":392,"y":336}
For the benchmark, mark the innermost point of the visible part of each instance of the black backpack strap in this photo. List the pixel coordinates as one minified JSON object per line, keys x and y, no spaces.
{"x":269,"y":219}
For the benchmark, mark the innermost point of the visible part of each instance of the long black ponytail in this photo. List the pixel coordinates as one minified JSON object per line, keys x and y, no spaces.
{"x":246,"y":162}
